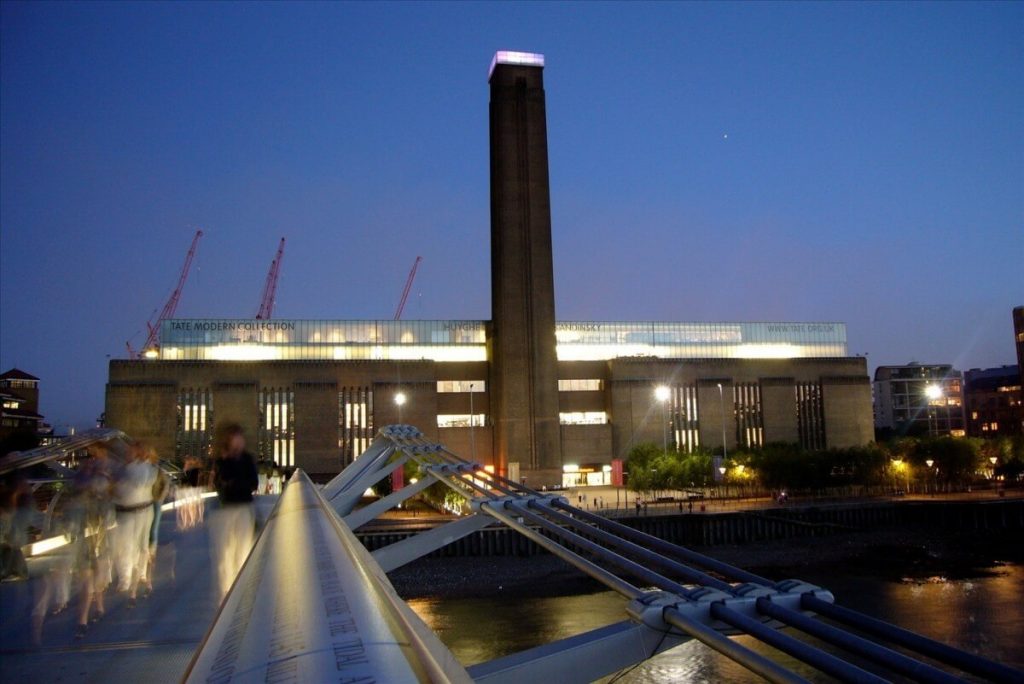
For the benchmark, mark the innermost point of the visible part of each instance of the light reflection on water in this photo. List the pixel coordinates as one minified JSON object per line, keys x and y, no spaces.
{"x":984,"y":615}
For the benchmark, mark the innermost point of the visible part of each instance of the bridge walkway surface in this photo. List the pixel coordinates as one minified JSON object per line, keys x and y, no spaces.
{"x":152,"y":642}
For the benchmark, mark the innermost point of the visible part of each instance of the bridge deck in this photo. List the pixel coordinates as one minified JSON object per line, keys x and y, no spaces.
{"x":156,"y":638}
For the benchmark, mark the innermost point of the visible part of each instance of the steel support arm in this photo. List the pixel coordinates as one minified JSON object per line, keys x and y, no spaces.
{"x":358,"y":518}
{"x":968,"y":662}
{"x":379,"y":447}
{"x":345,"y":501}
{"x":753,"y":661}
{"x":406,"y":551}
{"x":877,"y":653}
{"x":582,"y":658}
{"x":815,"y":657}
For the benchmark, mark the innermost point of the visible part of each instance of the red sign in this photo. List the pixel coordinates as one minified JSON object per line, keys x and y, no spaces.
{"x":616,"y":472}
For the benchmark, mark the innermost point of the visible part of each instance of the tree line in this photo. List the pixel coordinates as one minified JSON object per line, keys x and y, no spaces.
{"x":923,"y":461}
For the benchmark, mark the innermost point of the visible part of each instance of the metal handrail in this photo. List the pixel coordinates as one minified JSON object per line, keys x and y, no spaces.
{"x":63,"y":449}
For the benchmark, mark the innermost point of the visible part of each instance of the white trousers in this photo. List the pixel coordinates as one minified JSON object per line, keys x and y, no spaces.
{"x":131,"y":547}
{"x":232,"y":529}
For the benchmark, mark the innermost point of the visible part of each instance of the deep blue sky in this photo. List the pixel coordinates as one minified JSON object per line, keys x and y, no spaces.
{"x":872,"y":173}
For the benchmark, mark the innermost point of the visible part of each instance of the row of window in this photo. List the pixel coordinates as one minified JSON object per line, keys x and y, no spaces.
{"x":22,"y":384}
{"x":448,"y":386}
{"x":461,"y":420}
{"x":573,"y":385}
{"x":580,"y":385}
{"x":276,"y":438}
{"x":454,"y":420}
{"x":355,"y":422}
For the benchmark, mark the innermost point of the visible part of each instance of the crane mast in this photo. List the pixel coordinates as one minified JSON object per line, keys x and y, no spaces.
{"x":150,"y":347}
{"x":408,"y":287}
{"x":270,"y":286}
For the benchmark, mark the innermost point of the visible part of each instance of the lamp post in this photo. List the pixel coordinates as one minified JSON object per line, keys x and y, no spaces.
{"x":721,"y":406}
{"x":930,"y":462}
{"x":662,"y":393}
{"x":400,"y":400}
{"x":472,"y":438}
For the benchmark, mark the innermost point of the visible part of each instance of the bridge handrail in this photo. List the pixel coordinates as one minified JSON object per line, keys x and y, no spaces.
{"x":63,"y":449}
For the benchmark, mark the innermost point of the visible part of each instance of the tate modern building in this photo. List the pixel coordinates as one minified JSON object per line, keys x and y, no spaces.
{"x":550,"y":401}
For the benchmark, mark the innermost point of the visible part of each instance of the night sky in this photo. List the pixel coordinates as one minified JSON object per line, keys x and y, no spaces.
{"x":709,"y":162}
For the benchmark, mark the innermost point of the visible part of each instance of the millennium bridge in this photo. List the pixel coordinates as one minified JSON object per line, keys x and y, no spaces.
{"x":312,"y":604}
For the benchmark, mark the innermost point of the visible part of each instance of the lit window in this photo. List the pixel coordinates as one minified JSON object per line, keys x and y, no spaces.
{"x":580,"y":385}
{"x":583,"y":418}
{"x":11,"y":404}
{"x":453,"y":420}
{"x":449,"y":386}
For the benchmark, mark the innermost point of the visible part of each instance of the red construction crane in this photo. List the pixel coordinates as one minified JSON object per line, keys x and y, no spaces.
{"x":150,"y":347}
{"x":270,"y":287}
{"x":408,"y":286}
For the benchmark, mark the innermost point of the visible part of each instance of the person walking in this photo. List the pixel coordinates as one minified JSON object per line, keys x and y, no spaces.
{"x":133,"y":502}
{"x":91,"y":516}
{"x":161,"y":488}
{"x":188,"y":499}
{"x":233,"y":524}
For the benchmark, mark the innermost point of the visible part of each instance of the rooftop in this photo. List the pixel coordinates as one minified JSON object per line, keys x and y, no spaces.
{"x":466,"y":340}
{"x":17,"y":374}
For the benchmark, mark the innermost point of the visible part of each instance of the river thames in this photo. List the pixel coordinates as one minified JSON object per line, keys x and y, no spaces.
{"x":983,"y":614}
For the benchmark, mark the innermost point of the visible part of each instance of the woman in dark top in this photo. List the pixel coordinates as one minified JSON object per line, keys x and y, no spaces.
{"x":232,"y":525}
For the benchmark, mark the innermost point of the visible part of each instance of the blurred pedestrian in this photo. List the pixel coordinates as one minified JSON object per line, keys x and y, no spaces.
{"x":161,"y":488}
{"x":188,"y":495}
{"x":90,"y":518}
{"x":233,"y":524}
{"x":133,"y":499}
{"x":17,"y":509}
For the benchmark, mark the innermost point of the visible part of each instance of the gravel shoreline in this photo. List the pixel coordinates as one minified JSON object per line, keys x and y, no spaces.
{"x":899,"y":553}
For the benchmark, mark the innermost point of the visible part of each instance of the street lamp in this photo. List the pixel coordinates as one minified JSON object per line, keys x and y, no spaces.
{"x":662,"y":393}
{"x":400,"y":400}
{"x":721,"y":406}
{"x":472,"y":438}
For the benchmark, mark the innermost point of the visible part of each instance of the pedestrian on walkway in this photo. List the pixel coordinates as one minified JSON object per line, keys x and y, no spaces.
{"x":188,"y":495}
{"x":233,"y":523}
{"x":133,"y":502}
{"x":161,"y":488}
{"x":91,"y":516}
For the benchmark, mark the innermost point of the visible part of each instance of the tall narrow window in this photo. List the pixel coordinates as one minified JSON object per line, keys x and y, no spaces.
{"x":684,"y":418}
{"x":749,"y":418}
{"x":810,"y":415}
{"x":195,"y":424}
{"x":277,"y":426}
{"x":355,"y":422}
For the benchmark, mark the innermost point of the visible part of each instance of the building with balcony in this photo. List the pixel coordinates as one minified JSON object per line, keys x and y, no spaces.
{"x":919,"y":399}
